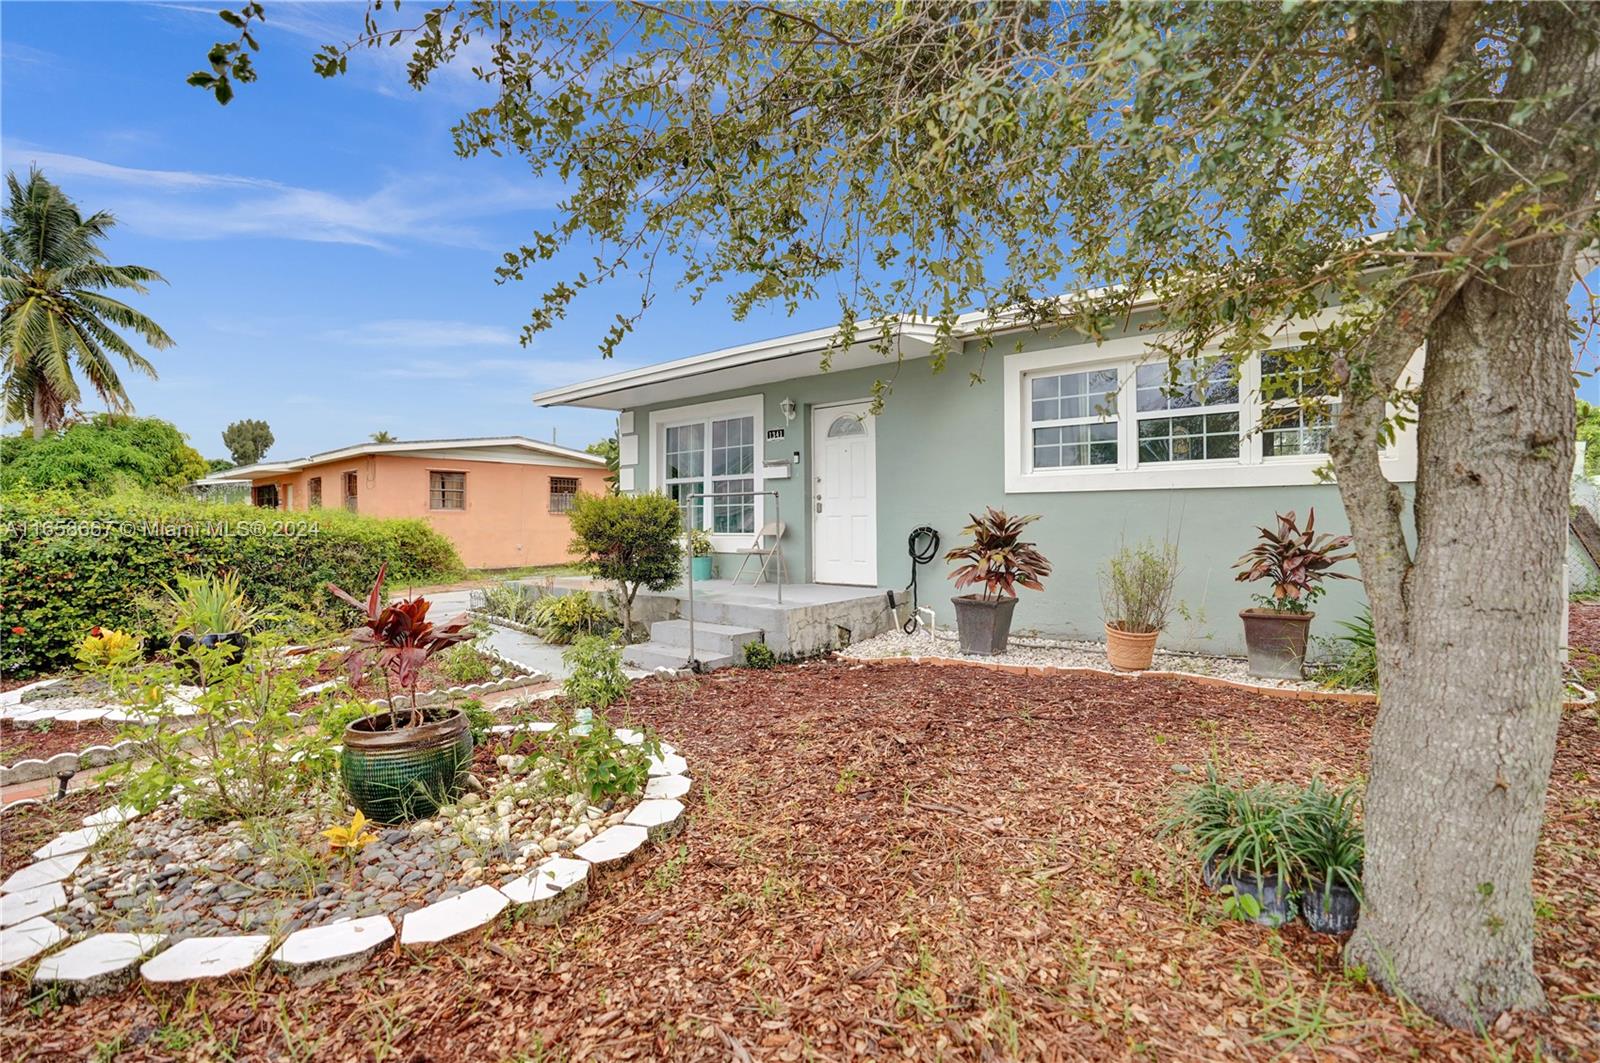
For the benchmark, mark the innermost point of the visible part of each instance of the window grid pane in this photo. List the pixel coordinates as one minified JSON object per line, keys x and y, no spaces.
{"x":1208,"y":427}
{"x":447,"y":490}
{"x":1075,"y":419}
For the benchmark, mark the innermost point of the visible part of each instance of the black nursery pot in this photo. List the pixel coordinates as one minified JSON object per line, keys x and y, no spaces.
{"x":1330,"y":908}
{"x":1277,"y":906}
{"x":186,"y":642}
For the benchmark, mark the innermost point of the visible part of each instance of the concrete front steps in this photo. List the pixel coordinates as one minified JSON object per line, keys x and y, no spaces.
{"x":716,"y":645}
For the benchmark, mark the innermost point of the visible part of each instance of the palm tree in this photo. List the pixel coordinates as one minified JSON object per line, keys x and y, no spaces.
{"x":383,"y":437}
{"x":56,"y":316}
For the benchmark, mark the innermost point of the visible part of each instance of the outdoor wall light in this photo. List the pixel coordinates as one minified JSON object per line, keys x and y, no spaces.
{"x":788,"y":407}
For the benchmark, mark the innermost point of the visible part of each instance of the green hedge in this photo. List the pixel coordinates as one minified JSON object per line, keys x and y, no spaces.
{"x":69,"y":562}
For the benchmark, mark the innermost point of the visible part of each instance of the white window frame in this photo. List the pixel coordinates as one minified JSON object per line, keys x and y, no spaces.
{"x":1331,"y":406}
{"x":1398,"y":461}
{"x":1240,"y":406}
{"x":1091,"y":418}
{"x":659,"y":421}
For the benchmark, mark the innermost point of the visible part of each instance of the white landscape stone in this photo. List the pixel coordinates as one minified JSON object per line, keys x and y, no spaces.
{"x":661,"y":817}
{"x":613,"y":847}
{"x":73,"y":841}
{"x":449,"y":918}
{"x":629,"y":737}
{"x":36,"y":712}
{"x":318,"y":953}
{"x":43,"y":873}
{"x":21,"y":943}
{"x":668,"y":764}
{"x":84,"y":715}
{"x":111,"y":816}
{"x":206,"y":957}
{"x":552,"y":891}
{"x":41,"y":900}
{"x":667,"y":786}
{"x":104,"y":963}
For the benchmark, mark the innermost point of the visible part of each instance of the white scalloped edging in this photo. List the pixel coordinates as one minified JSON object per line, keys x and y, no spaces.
{"x":106,"y":962}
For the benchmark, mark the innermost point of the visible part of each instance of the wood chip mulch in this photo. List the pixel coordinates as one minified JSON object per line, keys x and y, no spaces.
{"x":914,"y":863}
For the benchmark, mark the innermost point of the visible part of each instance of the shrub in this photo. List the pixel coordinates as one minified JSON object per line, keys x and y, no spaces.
{"x":508,"y":602}
{"x":596,"y":681}
{"x":208,"y":605}
{"x":560,"y":618}
{"x":632,"y":540}
{"x":1325,"y":838}
{"x":759,"y":655}
{"x":101,"y":455}
{"x":1136,"y":587}
{"x":72,"y":562}
{"x":1355,"y":665}
{"x":464,"y":664}
{"x":1236,"y":830}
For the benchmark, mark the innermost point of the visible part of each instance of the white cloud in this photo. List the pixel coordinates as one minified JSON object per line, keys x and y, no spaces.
{"x":423,"y":333}
{"x":196,"y":205}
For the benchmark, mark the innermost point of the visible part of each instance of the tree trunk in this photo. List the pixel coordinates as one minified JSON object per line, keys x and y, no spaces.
{"x":38,"y":413}
{"x":1472,"y":687}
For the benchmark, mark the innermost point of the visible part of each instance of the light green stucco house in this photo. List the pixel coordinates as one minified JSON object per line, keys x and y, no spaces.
{"x":1084,"y":434}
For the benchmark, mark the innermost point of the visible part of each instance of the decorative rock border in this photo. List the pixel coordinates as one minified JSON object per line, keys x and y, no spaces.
{"x":1043,"y":671}
{"x":106,"y":962}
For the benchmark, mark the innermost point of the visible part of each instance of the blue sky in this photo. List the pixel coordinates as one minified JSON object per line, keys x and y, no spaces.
{"x":330,"y":259}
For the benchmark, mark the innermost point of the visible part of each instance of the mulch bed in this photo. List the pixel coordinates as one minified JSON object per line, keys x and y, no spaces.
{"x":46,"y":738}
{"x":909,"y":862}
{"x":22,"y":830}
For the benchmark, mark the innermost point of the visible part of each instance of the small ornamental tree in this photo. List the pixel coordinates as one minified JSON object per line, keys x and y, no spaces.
{"x":631,"y":540}
{"x":247,"y":440}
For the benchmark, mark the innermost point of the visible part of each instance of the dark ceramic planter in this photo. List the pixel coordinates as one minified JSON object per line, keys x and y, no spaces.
{"x":984,"y":624}
{"x":1277,"y":906}
{"x":398,"y":774}
{"x":1276,"y":642}
{"x":1330,"y":908}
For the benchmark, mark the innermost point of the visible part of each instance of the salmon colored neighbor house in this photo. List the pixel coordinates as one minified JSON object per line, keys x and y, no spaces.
{"x":502,"y":501}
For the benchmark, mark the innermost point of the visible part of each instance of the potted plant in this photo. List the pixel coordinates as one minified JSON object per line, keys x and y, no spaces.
{"x":210,"y":612}
{"x":405,"y":762}
{"x":1295,"y":561}
{"x":998,"y":561}
{"x":1136,"y":593}
{"x":700,"y":554}
{"x":1327,"y":847}
{"x":1240,"y":834}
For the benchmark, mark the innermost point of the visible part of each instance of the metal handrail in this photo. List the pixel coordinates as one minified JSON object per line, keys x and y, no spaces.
{"x":777,"y":518}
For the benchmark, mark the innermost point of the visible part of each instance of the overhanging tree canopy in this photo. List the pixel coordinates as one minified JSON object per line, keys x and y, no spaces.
{"x":1429,"y":170}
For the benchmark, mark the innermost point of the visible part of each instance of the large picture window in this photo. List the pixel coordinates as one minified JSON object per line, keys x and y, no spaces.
{"x":1074,"y":419}
{"x":709,"y":467}
{"x":1192,"y":415}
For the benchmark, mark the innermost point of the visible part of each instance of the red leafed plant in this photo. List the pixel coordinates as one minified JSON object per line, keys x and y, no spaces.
{"x":996,"y":558}
{"x":1296,"y":560}
{"x":399,"y":638}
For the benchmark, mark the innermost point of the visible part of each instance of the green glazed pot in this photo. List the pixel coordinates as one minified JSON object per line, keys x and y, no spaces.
{"x":399,"y":774}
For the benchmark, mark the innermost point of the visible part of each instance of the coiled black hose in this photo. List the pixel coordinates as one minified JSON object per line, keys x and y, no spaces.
{"x":923,"y":546}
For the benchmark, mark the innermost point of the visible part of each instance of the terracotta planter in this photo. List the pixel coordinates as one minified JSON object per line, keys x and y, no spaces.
{"x":984,"y":624}
{"x":1276,"y":642}
{"x":1130,"y":651}
{"x":399,"y":774}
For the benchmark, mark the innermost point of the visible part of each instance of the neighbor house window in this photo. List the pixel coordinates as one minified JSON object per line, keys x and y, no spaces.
{"x":447,"y":490}
{"x":314,"y":492}
{"x":713,"y":459}
{"x":563,"y":492}
{"x":1192,"y":416}
{"x":266,"y":496}
{"x":1074,"y":419}
{"x":1296,"y":415}
{"x":350,"y":481}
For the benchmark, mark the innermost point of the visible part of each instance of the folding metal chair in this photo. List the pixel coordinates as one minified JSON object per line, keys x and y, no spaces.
{"x":768,"y":554}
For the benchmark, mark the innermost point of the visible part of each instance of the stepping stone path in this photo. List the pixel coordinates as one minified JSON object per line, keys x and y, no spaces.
{"x":104,"y":963}
{"x":613,"y":848}
{"x":107,"y":962}
{"x":552,"y":891}
{"x":41,"y":900}
{"x":661,"y":818}
{"x":666,"y":787}
{"x":209,"y":957}
{"x":318,"y":953}
{"x":21,"y":943}
{"x":453,"y":917}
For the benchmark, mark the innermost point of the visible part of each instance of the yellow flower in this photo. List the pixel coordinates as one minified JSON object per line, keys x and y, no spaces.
{"x":351,"y":839}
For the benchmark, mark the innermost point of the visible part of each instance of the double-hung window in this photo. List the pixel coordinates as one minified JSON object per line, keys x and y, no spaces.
{"x":709,"y":467}
{"x":1296,"y":410}
{"x":1074,"y":419}
{"x":1192,"y":415}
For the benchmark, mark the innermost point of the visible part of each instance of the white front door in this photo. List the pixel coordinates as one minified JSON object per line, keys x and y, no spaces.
{"x":844,"y":492}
